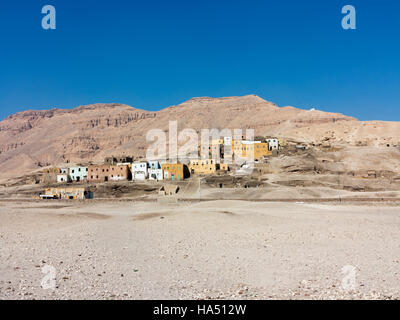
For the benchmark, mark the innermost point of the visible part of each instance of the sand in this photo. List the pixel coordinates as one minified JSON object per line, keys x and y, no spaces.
{"x":210,"y":250}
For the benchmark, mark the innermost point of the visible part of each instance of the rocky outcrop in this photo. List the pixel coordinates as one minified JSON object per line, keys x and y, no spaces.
{"x":119,"y":121}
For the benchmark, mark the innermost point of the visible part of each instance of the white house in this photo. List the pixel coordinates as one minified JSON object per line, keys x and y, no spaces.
{"x":139,"y":175}
{"x":155,"y":174}
{"x":78,"y":173}
{"x":139,"y":171}
{"x":153,"y":164}
{"x":117,"y":178}
{"x":64,"y":170}
{"x":273,"y":144}
{"x":63,"y":178}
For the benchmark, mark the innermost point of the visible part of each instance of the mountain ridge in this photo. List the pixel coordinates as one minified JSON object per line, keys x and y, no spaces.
{"x":34,"y":138}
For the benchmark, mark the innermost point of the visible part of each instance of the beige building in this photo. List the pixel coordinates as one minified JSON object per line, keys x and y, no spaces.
{"x":66,"y":193}
{"x":49,"y":175}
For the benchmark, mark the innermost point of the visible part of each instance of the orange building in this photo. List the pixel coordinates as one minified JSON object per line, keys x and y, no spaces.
{"x":174,"y":171}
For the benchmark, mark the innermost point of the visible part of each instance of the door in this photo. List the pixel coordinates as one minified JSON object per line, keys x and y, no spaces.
{"x":172,"y":177}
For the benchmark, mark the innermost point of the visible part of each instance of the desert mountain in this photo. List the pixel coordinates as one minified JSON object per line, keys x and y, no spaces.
{"x":32,"y":139}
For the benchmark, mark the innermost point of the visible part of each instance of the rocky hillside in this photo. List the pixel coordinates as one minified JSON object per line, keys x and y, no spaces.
{"x":31,"y":139}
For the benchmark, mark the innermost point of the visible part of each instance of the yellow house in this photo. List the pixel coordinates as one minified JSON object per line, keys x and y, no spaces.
{"x":173,"y":171}
{"x":203,"y":166}
{"x":250,"y":149}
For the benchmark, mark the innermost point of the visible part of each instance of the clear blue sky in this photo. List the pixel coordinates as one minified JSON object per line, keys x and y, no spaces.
{"x":152,"y":54}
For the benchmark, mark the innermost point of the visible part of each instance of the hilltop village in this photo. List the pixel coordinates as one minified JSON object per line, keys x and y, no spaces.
{"x":126,"y":168}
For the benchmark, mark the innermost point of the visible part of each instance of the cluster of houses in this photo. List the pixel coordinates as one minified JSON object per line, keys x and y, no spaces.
{"x":125,"y":168}
{"x":117,"y":169}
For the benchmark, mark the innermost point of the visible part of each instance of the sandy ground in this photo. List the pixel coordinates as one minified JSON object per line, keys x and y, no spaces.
{"x":210,"y":250}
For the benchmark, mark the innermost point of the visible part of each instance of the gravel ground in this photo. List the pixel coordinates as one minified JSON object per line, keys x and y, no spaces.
{"x":211,"y":250}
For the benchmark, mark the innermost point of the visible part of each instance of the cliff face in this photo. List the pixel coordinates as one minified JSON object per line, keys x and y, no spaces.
{"x":31,"y":139}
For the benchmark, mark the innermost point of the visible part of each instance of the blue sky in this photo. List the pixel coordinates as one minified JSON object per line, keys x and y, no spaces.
{"x":153,"y":54}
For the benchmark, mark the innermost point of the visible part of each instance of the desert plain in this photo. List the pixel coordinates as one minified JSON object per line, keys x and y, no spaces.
{"x":222,"y":249}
